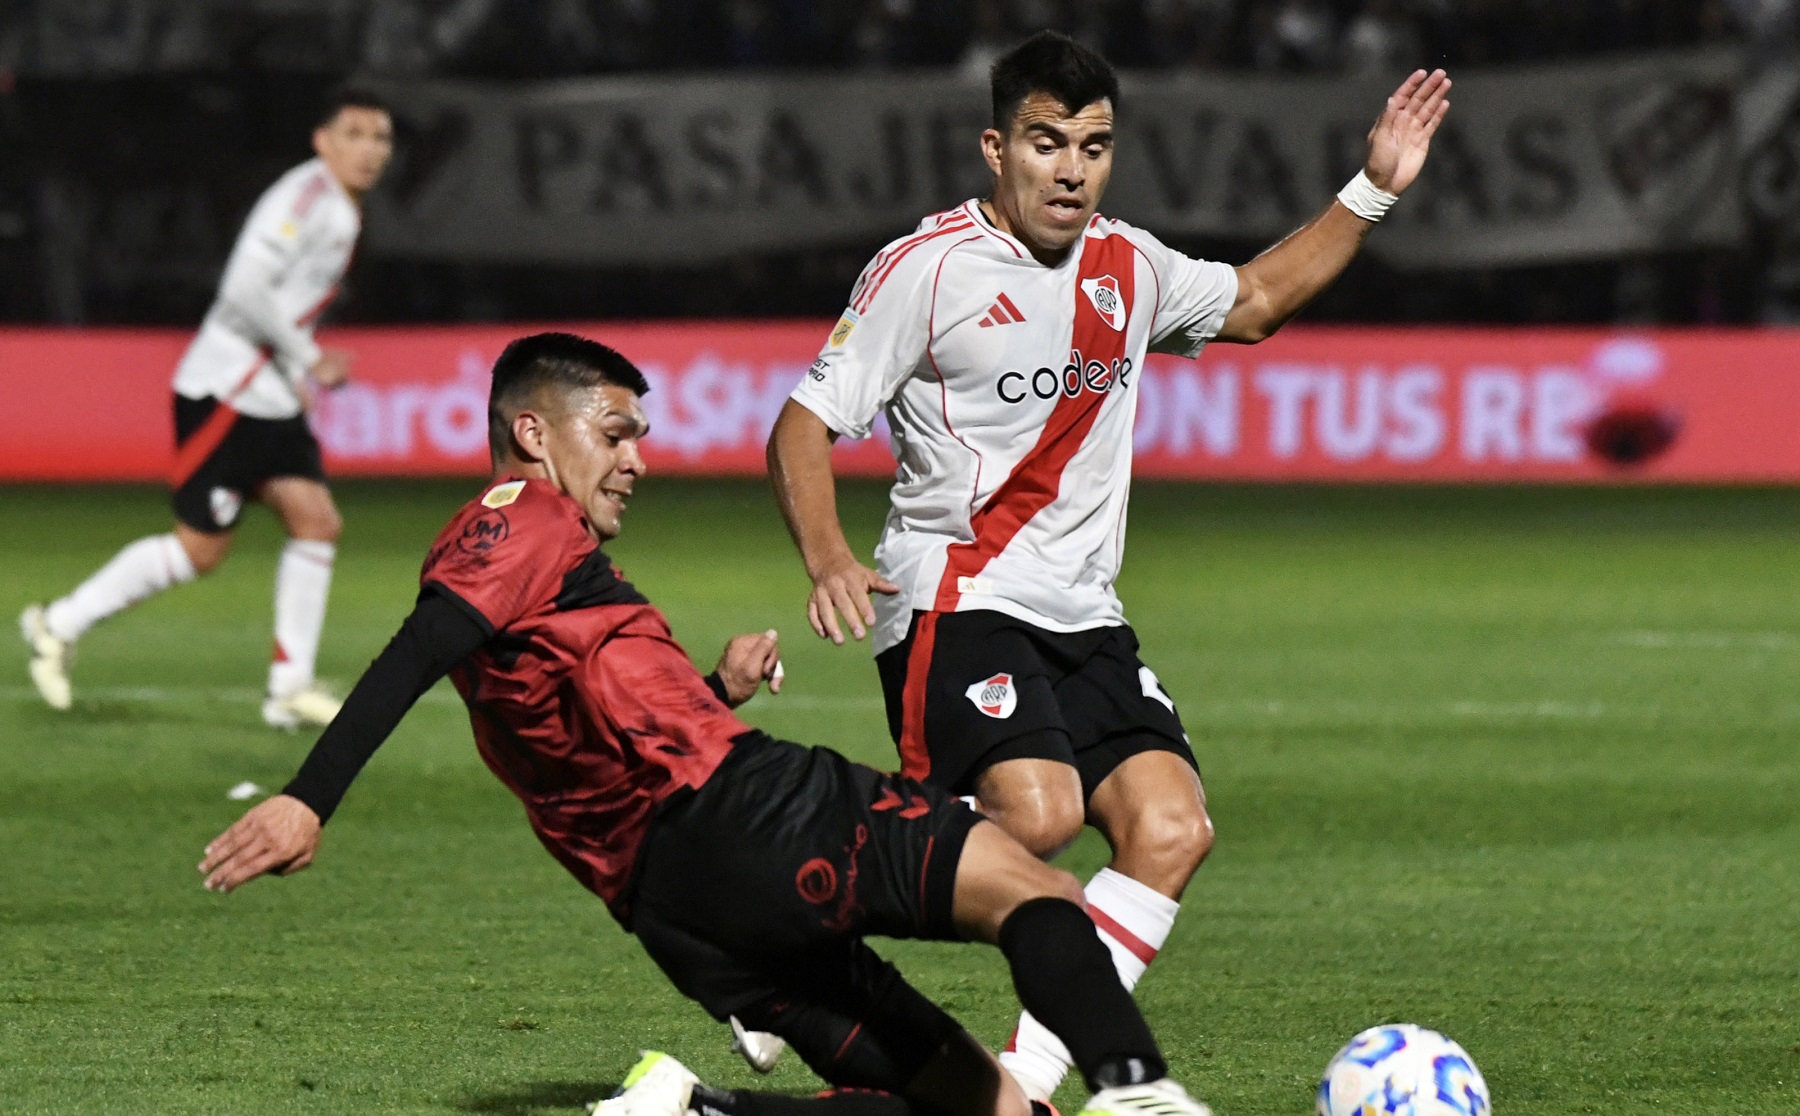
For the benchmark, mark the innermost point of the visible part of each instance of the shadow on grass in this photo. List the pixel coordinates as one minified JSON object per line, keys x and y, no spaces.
{"x":538,"y":1096}
{"x":31,"y":714}
{"x":124,"y":711}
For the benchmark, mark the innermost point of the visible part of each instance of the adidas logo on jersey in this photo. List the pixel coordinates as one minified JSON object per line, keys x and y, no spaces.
{"x":1002,"y":312}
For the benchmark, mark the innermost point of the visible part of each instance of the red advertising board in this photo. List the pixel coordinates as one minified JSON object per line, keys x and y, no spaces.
{"x":1318,"y":403}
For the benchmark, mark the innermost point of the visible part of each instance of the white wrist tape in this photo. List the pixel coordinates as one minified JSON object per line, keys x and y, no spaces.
{"x":1365,"y":199}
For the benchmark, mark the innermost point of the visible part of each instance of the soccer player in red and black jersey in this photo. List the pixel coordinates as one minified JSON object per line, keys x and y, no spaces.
{"x":638,"y":777}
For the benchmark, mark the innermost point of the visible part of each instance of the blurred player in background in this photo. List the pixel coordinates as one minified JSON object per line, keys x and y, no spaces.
{"x":241,"y":395}
{"x":1005,"y":339}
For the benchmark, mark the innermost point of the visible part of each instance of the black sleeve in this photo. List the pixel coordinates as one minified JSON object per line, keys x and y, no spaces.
{"x":440,"y":632}
{"x":717,"y":686}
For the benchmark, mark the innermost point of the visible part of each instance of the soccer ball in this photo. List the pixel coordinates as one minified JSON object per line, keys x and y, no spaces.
{"x":1403,"y":1070}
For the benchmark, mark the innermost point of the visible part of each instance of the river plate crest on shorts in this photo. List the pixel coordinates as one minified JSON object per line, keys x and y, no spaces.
{"x":994,"y":696}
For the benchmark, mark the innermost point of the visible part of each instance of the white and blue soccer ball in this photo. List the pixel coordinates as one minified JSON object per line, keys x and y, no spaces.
{"x":1403,"y":1070}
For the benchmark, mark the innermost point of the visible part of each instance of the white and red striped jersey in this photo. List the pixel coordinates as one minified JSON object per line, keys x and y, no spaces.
{"x":1010,"y":389}
{"x":257,"y":340}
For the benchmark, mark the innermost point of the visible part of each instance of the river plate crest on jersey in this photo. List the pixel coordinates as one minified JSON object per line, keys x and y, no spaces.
{"x":1104,"y":294}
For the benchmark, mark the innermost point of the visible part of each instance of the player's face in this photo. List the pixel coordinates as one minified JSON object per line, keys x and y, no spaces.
{"x":590,"y":451}
{"x":356,"y":146}
{"x":1050,"y":168}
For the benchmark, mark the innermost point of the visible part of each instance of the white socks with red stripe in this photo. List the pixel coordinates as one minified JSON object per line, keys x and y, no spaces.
{"x":1134,"y":921}
{"x":140,"y":571}
{"x":149,"y":566}
{"x":302,"y":582}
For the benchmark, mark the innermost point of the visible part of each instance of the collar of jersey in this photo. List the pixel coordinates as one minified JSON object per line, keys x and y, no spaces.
{"x":1012,"y":243}
{"x":331,"y":180}
{"x":1016,"y":246}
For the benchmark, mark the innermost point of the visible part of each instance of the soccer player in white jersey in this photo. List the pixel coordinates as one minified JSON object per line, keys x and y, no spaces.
{"x":241,"y":395}
{"x":1005,"y":339}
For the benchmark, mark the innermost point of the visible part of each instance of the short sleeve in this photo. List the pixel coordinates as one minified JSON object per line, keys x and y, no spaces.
{"x":265,"y":253}
{"x":504,"y":556}
{"x":274,"y":233}
{"x":1194,"y":297}
{"x":877,"y":343}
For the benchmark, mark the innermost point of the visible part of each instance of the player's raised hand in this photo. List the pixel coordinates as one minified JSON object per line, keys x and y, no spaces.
{"x":748,"y":661}
{"x":844,"y":589}
{"x":1401,"y":138}
{"x":278,"y":834}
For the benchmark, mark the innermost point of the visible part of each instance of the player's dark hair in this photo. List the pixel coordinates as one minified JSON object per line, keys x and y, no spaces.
{"x":341,"y":97}
{"x":542,"y":360}
{"x":1050,"y":62}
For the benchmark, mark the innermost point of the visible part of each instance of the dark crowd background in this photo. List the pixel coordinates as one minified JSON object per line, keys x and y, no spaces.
{"x":551,"y":38}
{"x":134,"y":135}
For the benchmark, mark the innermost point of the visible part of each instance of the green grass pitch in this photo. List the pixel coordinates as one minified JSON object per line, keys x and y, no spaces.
{"x":1522,"y":765}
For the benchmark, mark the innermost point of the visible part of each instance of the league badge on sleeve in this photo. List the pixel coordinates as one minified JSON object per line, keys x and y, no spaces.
{"x":840,"y":333}
{"x":996,"y":696}
{"x":503,"y":494}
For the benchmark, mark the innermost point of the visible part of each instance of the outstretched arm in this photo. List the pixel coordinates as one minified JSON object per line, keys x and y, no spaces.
{"x":800,"y":470}
{"x":1277,"y":284}
{"x":281,"y":834}
{"x":748,"y":662}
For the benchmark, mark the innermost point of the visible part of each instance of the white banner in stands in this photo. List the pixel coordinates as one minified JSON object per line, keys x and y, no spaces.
{"x":1539,"y":163}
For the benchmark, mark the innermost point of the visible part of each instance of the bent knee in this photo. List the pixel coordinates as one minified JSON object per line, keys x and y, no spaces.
{"x":1043,"y":882}
{"x":325,"y":526}
{"x":1045,"y":828}
{"x":1064,"y":885}
{"x":1177,"y":838}
{"x":206,"y":552}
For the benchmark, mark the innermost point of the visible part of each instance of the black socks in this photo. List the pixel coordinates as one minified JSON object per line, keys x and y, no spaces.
{"x":1065,"y":977}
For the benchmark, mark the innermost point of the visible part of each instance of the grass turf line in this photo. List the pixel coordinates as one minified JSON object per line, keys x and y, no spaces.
{"x":1515,"y":763}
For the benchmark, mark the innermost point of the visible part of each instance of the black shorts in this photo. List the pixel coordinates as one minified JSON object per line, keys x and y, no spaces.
{"x":968,"y":690}
{"x":757,"y":886}
{"x":222,"y":459}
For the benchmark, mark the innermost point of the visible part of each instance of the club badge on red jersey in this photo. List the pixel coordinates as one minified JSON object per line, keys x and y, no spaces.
{"x":1104,"y":294}
{"x":994,"y":696}
{"x":484,"y":532}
